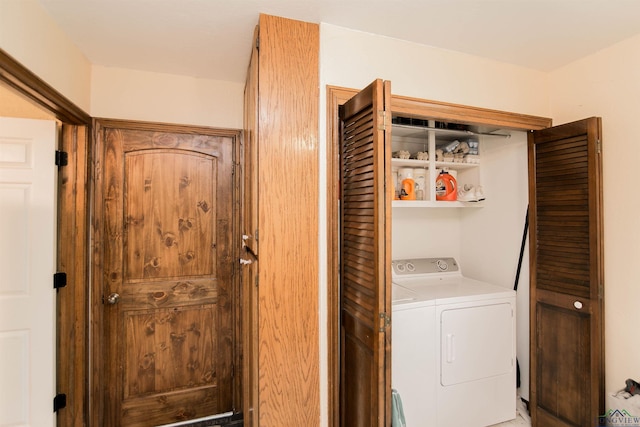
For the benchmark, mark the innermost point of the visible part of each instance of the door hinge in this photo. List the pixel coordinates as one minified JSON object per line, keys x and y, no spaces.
{"x":62,"y":158}
{"x":598,"y":146}
{"x":59,"y":402}
{"x":59,"y":280}
{"x":385,"y":321}
{"x":258,"y":43}
{"x":382,"y":124}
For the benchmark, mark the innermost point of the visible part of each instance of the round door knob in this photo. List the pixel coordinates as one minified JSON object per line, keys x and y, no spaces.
{"x":113,"y":298}
{"x":577,"y":305}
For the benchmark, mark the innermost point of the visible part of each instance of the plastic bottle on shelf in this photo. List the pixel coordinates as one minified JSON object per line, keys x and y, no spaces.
{"x":408,"y":190}
{"x":446,"y":187}
{"x":420,"y":178}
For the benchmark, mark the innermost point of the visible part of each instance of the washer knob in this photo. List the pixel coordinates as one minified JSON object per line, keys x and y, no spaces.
{"x":411,"y":267}
{"x":442,"y":265}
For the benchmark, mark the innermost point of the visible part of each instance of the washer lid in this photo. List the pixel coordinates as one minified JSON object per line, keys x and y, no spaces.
{"x":453,"y":289}
{"x":406,"y":298}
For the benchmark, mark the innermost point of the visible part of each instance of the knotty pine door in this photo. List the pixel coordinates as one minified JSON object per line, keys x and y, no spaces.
{"x":164,"y":295}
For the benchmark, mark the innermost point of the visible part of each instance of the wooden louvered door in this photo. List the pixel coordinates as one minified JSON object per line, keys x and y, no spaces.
{"x":567,"y":346}
{"x":365,"y":258}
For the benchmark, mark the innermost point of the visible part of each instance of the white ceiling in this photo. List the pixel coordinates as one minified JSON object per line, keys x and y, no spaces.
{"x":212,"y":38}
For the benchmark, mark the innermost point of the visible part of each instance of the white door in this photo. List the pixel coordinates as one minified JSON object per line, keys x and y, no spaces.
{"x":27,"y":264}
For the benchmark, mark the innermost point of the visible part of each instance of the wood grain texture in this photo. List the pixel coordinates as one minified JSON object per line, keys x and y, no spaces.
{"x":165,"y":217}
{"x":365,"y":253}
{"x":72,"y":340}
{"x":565,"y":218}
{"x":289,"y":393}
{"x":249,"y":228}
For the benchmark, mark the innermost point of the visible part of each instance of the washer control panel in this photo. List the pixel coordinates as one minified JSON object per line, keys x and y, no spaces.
{"x":406,"y":267}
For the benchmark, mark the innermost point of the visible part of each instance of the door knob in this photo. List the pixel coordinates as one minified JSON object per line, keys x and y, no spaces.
{"x":113,"y":298}
{"x":577,"y":305}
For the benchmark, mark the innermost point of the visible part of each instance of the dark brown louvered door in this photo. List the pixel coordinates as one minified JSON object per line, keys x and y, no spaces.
{"x":365,"y":254}
{"x":567,"y":345}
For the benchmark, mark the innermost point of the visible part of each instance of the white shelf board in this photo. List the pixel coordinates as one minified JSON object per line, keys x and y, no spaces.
{"x":425,"y":164}
{"x":409,"y":204}
{"x":411,"y":163}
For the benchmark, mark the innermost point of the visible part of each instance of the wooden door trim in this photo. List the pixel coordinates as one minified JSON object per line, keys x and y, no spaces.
{"x":72,"y":244}
{"x":96,"y":393}
{"x":37,"y":90}
{"x":167,"y":127}
{"x":411,"y":107}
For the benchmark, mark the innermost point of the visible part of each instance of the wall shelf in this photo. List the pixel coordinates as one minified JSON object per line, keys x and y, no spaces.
{"x":413,"y":204}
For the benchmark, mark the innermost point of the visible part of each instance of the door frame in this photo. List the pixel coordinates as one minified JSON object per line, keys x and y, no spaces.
{"x":409,"y":107}
{"x":72,"y":250}
{"x":96,"y":311}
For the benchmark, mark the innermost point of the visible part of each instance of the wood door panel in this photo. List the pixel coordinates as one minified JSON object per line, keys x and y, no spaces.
{"x":175,"y":406}
{"x":547,"y":419}
{"x":174,"y":349}
{"x":166,"y":240}
{"x":170,"y":293}
{"x":359,"y":344}
{"x":561,"y":381}
{"x":167,"y":212}
{"x":134,"y":140}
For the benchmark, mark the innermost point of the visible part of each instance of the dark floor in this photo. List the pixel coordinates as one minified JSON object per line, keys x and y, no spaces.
{"x":234,"y":420}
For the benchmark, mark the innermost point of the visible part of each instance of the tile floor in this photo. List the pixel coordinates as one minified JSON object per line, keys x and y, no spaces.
{"x":519,"y":421}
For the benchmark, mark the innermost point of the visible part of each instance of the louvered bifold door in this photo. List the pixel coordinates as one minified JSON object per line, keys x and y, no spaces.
{"x":567,"y":348}
{"x":365,"y":260}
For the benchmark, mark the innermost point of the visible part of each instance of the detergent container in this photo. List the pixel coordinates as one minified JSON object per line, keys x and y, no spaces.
{"x":407,"y":184}
{"x":420,"y":177}
{"x":446,"y":187}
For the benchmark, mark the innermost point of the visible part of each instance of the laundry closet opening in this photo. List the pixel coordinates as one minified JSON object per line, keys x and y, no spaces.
{"x":456,"y":322}
{"x":484,"y":236}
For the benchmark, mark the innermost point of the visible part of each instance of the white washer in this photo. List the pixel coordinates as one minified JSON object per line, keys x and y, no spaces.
{"x":453,"y":346}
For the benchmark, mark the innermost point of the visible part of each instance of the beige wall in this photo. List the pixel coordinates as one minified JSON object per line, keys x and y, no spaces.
{"x":139,"y":95}
{"x":14,"y":105}
{"x":606,"y":84}
{"x":354,"y":59}
{"x":29,"y":35}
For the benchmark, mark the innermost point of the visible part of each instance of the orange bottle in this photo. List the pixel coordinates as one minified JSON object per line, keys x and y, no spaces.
{"x":408,"y":189}
{"x":446,"y":187}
